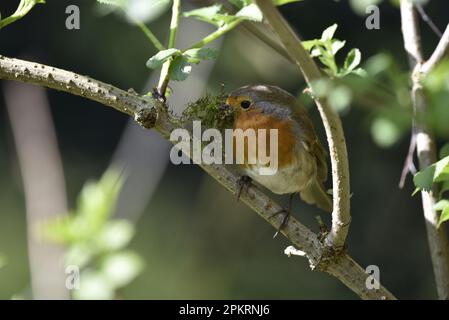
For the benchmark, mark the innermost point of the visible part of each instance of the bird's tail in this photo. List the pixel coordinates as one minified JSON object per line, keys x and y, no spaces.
{"x":315,"y":194}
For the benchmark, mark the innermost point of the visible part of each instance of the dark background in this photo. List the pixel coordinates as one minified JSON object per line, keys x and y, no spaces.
{"x":196,"y":240}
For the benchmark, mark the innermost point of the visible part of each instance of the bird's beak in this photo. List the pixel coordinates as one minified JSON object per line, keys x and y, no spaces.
{"x":225,"y":107}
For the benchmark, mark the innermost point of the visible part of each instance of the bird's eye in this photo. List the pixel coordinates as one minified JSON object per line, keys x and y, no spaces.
{"x":245,"y":104}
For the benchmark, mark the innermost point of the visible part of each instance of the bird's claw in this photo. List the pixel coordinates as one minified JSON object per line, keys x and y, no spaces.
{"x":244,"y":182}
{"x":283,"y":222}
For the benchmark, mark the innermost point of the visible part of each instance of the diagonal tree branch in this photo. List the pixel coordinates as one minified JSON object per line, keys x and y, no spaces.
{"x":440,"y":52}
{"x":341,"y":217}
{"x":425,"y":145}
{"x":152,"y":113}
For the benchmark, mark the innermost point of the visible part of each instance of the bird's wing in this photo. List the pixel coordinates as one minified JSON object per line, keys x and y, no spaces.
{"x":311,"y":141}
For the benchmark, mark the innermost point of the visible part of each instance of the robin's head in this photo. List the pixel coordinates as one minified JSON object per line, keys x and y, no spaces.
{"x":259,"y":99}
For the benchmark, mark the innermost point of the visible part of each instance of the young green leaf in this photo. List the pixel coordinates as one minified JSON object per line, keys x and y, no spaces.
{"x":309,"y":44}
{"x":352,"y":60}
{"x":251,"y":13}
{"x":97,"y":200}
{"x":94,"y":285}
{"x":115,"y":235}
{"x":444,"y":216}
{"x":437,"y":172}
{"x":122,"y":267}
{"x":337,"y":45}
{"x":442,"y":170}
{"x":159,"y":58}
{"x":180,"y":68}
{"x":282,"y":2}
{"x":117,"y":3}
{"x":444,"y":151}
{"x":423,"y":180}
{"x":441,"y":205}
{"x":360,"y":72}
{"x":197,"y":54}
{"x":213,"y":14}
{"x":329,"y":32}
{"x":444,"y":187}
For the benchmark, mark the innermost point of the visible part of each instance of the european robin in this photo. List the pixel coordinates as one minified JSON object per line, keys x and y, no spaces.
{"x":302,"y":166}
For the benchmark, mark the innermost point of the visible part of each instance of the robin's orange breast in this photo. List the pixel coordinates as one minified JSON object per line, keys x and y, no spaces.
{"x":286,"y":151}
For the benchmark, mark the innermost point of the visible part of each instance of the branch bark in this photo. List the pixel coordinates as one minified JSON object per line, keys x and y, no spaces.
{"x":151,"y":113}
{"x":341,"y":217}
{"x":425,"y":143}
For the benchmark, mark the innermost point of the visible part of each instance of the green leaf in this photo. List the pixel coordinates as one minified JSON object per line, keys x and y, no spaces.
{"x":97,"y":199}
{"x":437,"y":79}
{"x":115,"y":235}
{"x":309,"y":44}
{"x":213,"y":14}
{"x":337,"y":45}
{"x":360,"y":72}
{"x":444,"y":216}
{"x":243,"y":3}
{"x":444,"y":151}
{"x":444,"y":187}
{"x":441,"y":205}
{"x":423,"y":180}
{"x":117,"y":3}
{"x":79,"y":254}
{"x":180,"y":68}
{"x":33,"y":2}
{"x":121,"y":268}
{"x":352,"y":60}
{"x":145,"y":10}
{"x":197,"y":54}
{"x":251,"y":13}
{"x":94,"y":285}
{"x":329,"y":32}
{"x":442,"y":170}
{"x":437,"y":172}
{"x":282,"y":2}
{"x":319,"y":51}
{"x":159,"y":58}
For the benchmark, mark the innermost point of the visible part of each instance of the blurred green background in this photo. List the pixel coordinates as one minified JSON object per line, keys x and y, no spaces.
{"x":195,"y":240}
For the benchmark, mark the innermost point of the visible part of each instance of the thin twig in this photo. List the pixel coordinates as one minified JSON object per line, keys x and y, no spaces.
{"x":341,"y":217}
{"x":23,"y":9}
{"x":151,"y":113}
{"x":427,"y":20}
{"x":425,"y":145}
{"x":216,"y":34}
{"x":440,"y":52}
{"x":150,"y":35}
{"x":409,"y":166}
{"x":165,"y":74}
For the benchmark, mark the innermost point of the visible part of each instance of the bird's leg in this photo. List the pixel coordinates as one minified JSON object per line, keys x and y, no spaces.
{"x":286,"y":213}
{"x":244,"y":182}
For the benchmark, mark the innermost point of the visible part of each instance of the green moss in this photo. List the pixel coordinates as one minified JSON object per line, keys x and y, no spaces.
{"x":207,"y":109}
